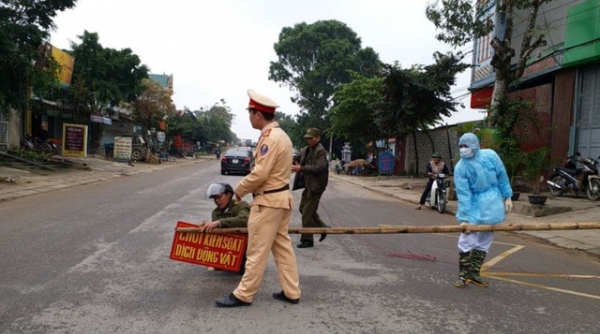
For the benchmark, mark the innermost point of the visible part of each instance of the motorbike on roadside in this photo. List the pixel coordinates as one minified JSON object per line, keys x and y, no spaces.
{"x":593,"y":189}
{"x":27,"y":144}
{"x":337,"y":168}
{"x":438,"y":198}
{"x":53,"y":148}
{"x":577,"y":175}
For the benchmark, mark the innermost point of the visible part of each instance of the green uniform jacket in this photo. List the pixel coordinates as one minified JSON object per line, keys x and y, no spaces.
{"x":235,"y":215}
{"x":315,"y":167}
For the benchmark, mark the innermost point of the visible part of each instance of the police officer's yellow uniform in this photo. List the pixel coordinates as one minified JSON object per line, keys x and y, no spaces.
{"x":271,"y":209}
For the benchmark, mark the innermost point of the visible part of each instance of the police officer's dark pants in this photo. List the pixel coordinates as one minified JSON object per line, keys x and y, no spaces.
{"x":426,"y":191}
{"x":308,"y":208}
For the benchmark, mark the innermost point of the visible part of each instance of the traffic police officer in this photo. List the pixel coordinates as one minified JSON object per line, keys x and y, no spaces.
{"x":270,"y":210}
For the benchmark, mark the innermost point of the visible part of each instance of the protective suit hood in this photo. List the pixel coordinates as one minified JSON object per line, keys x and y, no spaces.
{"x":470,"y":140}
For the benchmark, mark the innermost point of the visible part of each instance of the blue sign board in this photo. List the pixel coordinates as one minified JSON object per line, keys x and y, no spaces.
{"x":386,"y":163}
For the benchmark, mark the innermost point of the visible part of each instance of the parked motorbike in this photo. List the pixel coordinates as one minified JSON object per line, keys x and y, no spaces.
{"x":54,"y":149}
{"x":28,"y":144}
{"x":339,"y":167}
{"x":593,"y":189}
{"x":35,"y":145}
{"x":437,"y":198}
{"x":109,"y":150}
{"x":46,"y":146}
{"x":572,"y":178}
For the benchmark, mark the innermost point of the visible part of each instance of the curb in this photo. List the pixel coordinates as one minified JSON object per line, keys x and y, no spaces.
{"x":101,"y":176}
{"x":449,"y":210}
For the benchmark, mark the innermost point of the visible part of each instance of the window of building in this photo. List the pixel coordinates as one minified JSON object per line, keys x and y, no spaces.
{"x":484,"y":49}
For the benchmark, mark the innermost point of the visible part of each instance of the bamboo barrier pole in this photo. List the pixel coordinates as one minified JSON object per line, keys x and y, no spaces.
{"x":419,"y":229}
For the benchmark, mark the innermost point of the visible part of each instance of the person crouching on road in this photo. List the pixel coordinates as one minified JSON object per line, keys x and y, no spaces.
{"x":484,"y":197}
{"x":228,"y":213}
{"x":434,"y":167}
{"x":313,"y":164}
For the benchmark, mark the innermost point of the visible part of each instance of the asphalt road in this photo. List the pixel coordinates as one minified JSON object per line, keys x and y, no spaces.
{"x":94,"y":259}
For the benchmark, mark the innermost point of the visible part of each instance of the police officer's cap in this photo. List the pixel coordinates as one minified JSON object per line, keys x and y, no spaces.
{"x":261,"y":103}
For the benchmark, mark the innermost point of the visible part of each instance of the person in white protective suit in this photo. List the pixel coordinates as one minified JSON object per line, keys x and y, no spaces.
{"x":484,"y":197}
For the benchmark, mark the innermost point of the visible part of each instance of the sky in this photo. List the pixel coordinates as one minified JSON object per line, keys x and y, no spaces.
{"x":221,"y":48}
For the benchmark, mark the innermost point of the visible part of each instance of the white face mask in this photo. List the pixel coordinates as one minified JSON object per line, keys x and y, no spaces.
{"x":466,"y":152}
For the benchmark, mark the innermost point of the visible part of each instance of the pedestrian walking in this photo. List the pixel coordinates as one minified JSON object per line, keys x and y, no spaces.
{"x":314,"y":166}
{"x":484,"y":197}
{"x":434,"y":167}
{"x":270,"y":210}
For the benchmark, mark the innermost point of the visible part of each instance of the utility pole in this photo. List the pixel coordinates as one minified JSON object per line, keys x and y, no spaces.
{"x":331,"y":147}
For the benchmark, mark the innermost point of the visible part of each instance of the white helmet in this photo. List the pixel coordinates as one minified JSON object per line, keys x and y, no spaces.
{"x":216,"y":189}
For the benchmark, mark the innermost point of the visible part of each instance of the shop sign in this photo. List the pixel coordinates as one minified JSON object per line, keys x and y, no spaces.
{"x":74,"y":141}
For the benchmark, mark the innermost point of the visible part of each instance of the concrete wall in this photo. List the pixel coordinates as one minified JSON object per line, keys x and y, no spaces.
{"x":542,"y":96}
{"x":440,"y":139}
{"x":12,"y":124}
{"x":116,"y":129}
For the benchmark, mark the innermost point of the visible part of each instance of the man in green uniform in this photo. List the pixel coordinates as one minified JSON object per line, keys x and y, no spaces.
{"x":313,"y":164}
{"x":228,"y":213}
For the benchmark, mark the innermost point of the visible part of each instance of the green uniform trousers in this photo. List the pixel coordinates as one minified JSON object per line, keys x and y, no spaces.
{"x":308,"y":208}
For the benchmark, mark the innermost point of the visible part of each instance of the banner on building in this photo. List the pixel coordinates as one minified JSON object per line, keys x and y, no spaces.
{"x":220,"y":251}
{"x":66,"y":63}
{"x":74,"y":141}
{"x":101,"y":119}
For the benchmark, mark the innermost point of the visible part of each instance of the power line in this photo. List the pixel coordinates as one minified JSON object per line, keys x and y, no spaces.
{"x":460,"y":96}
{"x":548,"y":24}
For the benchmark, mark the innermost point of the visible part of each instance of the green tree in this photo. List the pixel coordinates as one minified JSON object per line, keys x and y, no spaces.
{"x":461,"y":22}
{"x":187,"y":125}
{"x":24,"y":26}
{"x":103,"y":78}
{"x":216,"y":122}
{"x":152,"y":105}
{"x":288,"y":124}
{"x":356,"y":106}
{"x":314,"y":58}
{"x":419,"y":96}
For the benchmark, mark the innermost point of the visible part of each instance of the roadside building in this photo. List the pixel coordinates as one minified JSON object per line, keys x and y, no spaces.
{"x":51,"y":113}
{"x":563,"y":77}
{"x":166,"y":81}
